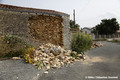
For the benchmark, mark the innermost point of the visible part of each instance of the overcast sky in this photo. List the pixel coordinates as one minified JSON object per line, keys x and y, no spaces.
{"x":88,"y":12}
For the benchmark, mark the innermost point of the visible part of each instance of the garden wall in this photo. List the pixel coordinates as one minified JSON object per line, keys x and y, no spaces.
{"x":36,"y":28}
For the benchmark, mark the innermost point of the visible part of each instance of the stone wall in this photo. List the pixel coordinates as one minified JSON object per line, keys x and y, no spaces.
{"x":36,"y":28}
{"x":13,"y":23}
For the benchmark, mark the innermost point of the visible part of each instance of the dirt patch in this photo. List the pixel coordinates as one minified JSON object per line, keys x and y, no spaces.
{"x":96,"y":59}
{"x":90,"y":60}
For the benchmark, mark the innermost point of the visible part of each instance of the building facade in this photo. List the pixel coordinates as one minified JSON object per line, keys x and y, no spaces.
{"x":86,"y":30}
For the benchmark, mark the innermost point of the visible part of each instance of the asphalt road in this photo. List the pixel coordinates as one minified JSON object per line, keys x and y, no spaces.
{"x":103,"y":62}
{"x":18,"y":70}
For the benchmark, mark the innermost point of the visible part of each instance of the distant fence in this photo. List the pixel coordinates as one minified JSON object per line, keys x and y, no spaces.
{"x":107,"y":36}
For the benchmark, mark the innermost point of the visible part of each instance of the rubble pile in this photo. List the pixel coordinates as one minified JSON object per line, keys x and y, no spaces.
{"x":96,"y":44}
{"x":53,"y":56}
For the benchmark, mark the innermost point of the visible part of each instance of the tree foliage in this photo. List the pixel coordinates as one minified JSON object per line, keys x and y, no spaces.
{"x":106,"y":27}
{"x":73,"y":25}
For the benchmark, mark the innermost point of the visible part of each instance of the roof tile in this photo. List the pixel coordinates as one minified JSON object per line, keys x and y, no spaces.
{"x":31,"y":10}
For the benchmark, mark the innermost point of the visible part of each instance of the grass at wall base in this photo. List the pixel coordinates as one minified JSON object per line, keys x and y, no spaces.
{"x":12,"y":46}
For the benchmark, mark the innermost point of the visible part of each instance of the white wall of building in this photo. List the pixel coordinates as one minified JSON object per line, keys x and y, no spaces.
{"x":86,"y":30}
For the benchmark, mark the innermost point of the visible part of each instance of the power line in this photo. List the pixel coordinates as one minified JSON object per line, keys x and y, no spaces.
{"x":85,"y":6}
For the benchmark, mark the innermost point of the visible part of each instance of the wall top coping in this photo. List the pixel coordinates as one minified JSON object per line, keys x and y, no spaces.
{"x":31,"y":10}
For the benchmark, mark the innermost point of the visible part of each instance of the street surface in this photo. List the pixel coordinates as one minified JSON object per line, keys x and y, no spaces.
{"x":103,"y":62}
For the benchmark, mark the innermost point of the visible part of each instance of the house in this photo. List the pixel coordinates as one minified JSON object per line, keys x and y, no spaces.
{"x":37,"y":25}
{"x":86,"y":30}
{"x":73,"y":30}
{"x":118,"y":33}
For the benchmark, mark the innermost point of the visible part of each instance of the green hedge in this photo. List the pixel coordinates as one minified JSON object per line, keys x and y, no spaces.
{"x":81,"y":42}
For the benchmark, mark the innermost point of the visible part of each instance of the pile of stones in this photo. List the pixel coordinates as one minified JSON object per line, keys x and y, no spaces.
{"x":53,"y":56}
{"x":96,"y":45}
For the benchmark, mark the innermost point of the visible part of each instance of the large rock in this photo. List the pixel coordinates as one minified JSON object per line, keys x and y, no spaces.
{"x":55,"y":51}
{"x":96,"y":44}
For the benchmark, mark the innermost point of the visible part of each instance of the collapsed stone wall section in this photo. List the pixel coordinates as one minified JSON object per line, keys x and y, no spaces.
{"x":47,"y":29}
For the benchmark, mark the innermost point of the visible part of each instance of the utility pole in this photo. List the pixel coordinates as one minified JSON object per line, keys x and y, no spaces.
{"x":74,"y":15}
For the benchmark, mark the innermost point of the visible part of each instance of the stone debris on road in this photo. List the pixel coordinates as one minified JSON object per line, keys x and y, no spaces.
{"x":46,"y":72}
{"x":96,"y":45}
{"x":52,"y":56}
{"x":16,"y":58}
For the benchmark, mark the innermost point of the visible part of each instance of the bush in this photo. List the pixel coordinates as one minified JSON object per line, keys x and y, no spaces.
{"x":12,"y":46}
{"x":73,"y":55}
{"x":39,"y":65}
{"x":81,"y":42}
{"x":29,"y":55}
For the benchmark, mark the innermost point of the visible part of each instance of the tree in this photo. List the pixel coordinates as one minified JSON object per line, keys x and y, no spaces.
{"x":106,"y":27}
{"x":73,"y":25}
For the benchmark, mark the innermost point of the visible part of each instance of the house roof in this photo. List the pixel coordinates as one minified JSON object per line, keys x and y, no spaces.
{"x":74,"y":30}
{"x":86,"y":28}
{"x":118,"y":31}
{"x":31,"y":10}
